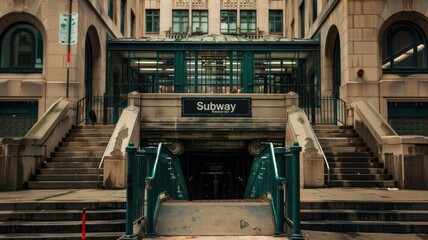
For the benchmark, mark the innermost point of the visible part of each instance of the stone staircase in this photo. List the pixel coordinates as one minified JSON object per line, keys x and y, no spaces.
{"x":74,"y":164}
{"x":351,"y":162}
{"x":61,"y":220}
{"x":365,"y":216}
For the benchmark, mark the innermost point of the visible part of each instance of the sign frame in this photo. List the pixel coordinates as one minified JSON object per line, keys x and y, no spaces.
{"x":217,"y":107}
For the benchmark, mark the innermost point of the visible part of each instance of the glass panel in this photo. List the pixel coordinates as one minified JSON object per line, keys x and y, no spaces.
{"x":21,"y":49}
{"x":403,"y":50}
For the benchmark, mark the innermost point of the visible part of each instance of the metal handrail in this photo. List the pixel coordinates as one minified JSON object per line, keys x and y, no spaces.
{"x":323,"y":155}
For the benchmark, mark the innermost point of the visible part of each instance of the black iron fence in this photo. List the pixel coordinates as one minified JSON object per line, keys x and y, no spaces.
{"x":100,"y":109}
{"x":324,"y":110}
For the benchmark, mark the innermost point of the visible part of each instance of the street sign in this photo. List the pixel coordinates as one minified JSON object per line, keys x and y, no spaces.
{"x":64,"y":27}
{"x":215,"y":107}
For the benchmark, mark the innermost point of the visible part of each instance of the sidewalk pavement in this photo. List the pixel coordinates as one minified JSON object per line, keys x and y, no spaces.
{"x":318,"y":194}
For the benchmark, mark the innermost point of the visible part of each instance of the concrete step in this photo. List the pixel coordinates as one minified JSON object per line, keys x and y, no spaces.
{"x":316,"y":127}
{"x":366,"y":226}
{"x":208,"y":218}
{"x":327,"y":144}
{"x":61,"y":215}
{"x":348,"y":154}
{"x":364,"y":205}
{"x":75,"y":165}
{"x":84,"y":144}
{"x":68,"y":177}
{"x":355,"y":164}
{"x":93,"y":130}
{"x":69,"y":170}
{"x":365,"y":215}
{"x":97,"y":149}
{"x":58,"y":205}
{"x":64,"y":236}
{"x":62,"y":226}
{"x":352,"y":159}
{"x":363,"y":183}
{"x":334,"y":135}
{"x":345,"y":149}
{"x":333,"y":130}
{"x":74,"y":159}
{"x":79,"y":154}
{"x":323,"y":140}
{"x":85,"y":139}
{"x":91,"y":127}
{"x":356,"y":171}
{"x":360,"y":177}
{"x":62,"y":184}
{"x":88,"y":134}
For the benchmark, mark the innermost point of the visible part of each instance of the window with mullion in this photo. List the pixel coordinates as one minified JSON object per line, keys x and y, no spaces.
{"x":152,"y":21}
{"x":228,"y":22}
{"x":180,"y":21}
{"x":275,"y":21}
{"x":200,"y":21}
{"x":404,"y":49}
{"x":21,"y":49}
{"x":248,"y":21}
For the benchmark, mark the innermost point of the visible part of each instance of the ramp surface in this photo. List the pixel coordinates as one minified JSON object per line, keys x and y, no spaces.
{"x":226,"y":218}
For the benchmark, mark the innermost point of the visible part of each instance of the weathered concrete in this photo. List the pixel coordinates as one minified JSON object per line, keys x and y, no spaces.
{"x":221,"y":218}
{"x":23,"y":156}
{"x":405,"y":157}
{"x":114,"y":159}
{"x":311,"y":160}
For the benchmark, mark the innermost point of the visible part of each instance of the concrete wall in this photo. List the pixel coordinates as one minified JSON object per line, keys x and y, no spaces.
{"x":405,"y":157}
{"x":163,"y":112}
{"x":311,"y":159}
{"x":23,"y":156}
{"x":127,"y":130}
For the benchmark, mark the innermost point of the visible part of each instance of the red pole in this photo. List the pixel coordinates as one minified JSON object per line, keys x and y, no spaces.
{"x":84,"y":224}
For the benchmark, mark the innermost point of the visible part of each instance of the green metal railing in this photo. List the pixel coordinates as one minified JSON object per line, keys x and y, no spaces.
{"x":274,"y":171}
{"x":164,"y":176}
{"x":156,"y":172}
{"x":324,"y":110}
{"x":100,"y":109}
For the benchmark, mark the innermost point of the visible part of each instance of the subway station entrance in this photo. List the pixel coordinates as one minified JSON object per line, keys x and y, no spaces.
{"x":216,"y":174}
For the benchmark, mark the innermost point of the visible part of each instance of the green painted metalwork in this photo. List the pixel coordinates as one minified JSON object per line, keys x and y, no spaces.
{"x":408,"y":118}
{"x":131,"y":184}
{"x":164,"y":177}
{"x":266,"y":180}
{"x":274,"y":171}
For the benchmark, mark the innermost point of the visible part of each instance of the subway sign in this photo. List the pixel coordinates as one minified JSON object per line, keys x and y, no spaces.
{"x":216,"y":107}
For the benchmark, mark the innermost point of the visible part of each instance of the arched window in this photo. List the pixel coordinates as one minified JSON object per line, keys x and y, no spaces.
{"x":404,"y":49}
{"x":21,"y":49}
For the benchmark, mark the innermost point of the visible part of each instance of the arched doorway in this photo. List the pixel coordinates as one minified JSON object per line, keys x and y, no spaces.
{"x":336,"y":69}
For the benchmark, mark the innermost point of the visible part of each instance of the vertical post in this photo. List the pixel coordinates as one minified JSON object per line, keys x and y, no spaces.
{"x":68,"y":49}
{"x":151,"y":198}
{"x":279,"y":204}
{"x":288,"y":185}
{"x":295,"y":151}
{"x":130,"y":150}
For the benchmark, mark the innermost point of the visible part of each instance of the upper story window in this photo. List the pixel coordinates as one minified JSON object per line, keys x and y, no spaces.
{"x":21,"y":49}
{"x":228,"y":22}
{"x":122,"y":16}
{"x":275,"y":21}
{"x":248,"y":21}
{"x":110,"y":8}
{"x":314,"y":10}
{"x":152,"y":21}
{"x":302,"y":19}
{"x":180,"y":21}
{"x":200,"y":21}
{"x":404,"y":49}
